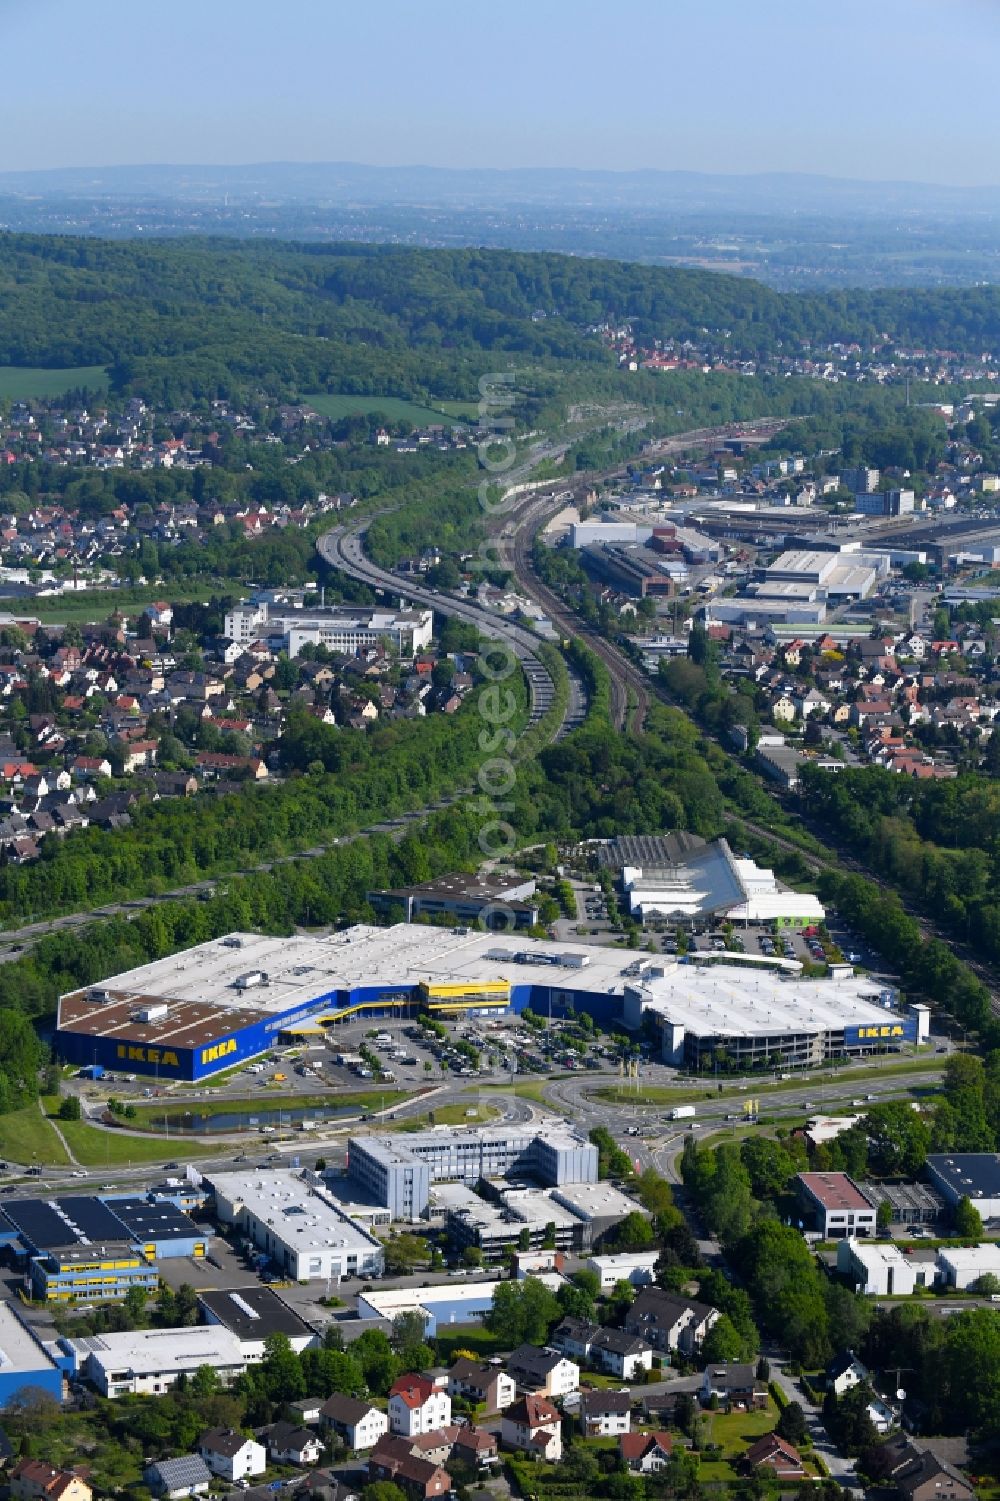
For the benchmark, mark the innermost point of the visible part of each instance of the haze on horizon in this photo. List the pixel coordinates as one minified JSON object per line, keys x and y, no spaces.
{"x":899,"y":90}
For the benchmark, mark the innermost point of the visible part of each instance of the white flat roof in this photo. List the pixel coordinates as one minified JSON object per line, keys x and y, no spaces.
{"x":875,"y":1255}
{"x":731,"y":1000}
{"x":19,"y":1350}
{"x":971,"y":1258}
{"x":594,"y":1201}
{"x":387,"y":1303}
{"x":145,"y":1352}
{"x":705,"y":999}
{"x":303,"y":1215}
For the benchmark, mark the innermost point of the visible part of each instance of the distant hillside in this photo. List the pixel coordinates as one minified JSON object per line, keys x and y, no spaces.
{"x":196,"y":316}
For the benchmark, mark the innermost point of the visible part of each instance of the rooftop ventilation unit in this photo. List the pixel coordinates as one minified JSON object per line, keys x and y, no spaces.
{"x":232,"y":942}
{"x":252,"y":980}
{"x":99,"y":993}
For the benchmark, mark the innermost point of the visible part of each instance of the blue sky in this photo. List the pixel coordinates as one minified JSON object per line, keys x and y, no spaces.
{"x":856,"y":88}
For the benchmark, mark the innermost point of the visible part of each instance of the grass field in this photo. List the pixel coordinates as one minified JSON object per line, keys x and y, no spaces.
{"x":95,"y":1148}
{"x":444,"y":1115}
{"x":20,"y":382}
{"x":92,"y":605}
{"x":393,"y":408}
{"x":151,"y":1114}
{"x":736,"y":1431}
{"x":26,"y":1136}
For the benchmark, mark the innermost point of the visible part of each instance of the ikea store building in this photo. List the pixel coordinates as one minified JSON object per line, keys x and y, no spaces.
{"x":230,"y":1000}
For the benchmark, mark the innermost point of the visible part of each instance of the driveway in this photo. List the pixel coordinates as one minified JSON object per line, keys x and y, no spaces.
{"x":841,"y":1468}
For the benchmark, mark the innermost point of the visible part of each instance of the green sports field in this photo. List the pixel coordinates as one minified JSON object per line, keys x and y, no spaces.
{"x":393,"y":408}
{"x":19,"y":382}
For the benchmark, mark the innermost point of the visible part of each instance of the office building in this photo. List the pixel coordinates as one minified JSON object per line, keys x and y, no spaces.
{"x":347,"y":629}
{"x":399,"y":1170}
{"x":880,"y":1269}
{"x":962,"y":1266}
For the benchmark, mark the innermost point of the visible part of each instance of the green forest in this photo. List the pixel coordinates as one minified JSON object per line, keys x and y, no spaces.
{"x":197,"y":318}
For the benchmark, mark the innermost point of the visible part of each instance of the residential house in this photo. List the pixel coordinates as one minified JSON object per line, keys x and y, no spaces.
{"x":416,"y":1405}
{"x":605,"y":1414}
{"x":670,"y":1323}
{"x":918,"y":1473}
{"x":543,"y":1371}
{"x":646,"y":1453}
{"x":489,"y":1386}
{"x":771,"y":1452}
{"x":422,"y":1479}
{"x":575,"y":1337}
{"x":173,"y":1479}
{"x":358,"y":1423}
{"x":287,"y":1444}
{"x":845,"y":1372}
{"x":620,"y":1354}
{"x":36,"y":1480}
{"x":231,"y":1455}
{"x":735,"y":1386}
{"x":534,"y":1425}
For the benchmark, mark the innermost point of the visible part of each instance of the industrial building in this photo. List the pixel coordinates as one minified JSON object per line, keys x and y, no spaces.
{"x":446,"y":1303}
{"x":346,"y":629}
{"x":398,"y":1171}
{"x":835,"y":1205}
{"x":681,"y":878}
{"x":296,"y":1223}
{"x":962,"y":1266}
{"x":252,"y":1314}
{"x":24,"y":1364}
{"x":94,"y":1249}
{"x":500,"y":903}
{"x":230,"y":1000}
{"x":148,"y":1362}
{"x":971,"y":1175}
{"x":880,"y":1269}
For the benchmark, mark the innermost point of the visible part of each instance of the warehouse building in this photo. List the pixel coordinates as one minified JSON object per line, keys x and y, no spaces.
{"x":24,"y":1364}
{"x":148,"y":1362}
{"x":447,"y":1303}
{"x":252,"y":1314}
{"x":835,"y":1205}
{"x":297,"y":1224}
{"x":962,"y":1266}
{"x":398,"y":1171}
{"x":972,"y":1175}
{"x":223,"y":1002}
{"x":500,"y":903}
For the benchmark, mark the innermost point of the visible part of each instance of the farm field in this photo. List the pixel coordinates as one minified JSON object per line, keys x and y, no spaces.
{"x":19,"y":382}
{"x":394,"y":408}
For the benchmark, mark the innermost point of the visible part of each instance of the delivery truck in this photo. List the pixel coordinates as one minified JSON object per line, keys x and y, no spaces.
{"x":681,"y":1112}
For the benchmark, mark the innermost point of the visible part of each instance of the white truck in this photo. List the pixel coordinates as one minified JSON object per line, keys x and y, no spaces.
{"x":681,"y":1112}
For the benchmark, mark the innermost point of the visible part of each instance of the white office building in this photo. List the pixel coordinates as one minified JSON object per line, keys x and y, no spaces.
{"x":345,"y":629}
{"x":297,"y":1223}
{"x":398,"y":1170}
{"x":961,"y":1266}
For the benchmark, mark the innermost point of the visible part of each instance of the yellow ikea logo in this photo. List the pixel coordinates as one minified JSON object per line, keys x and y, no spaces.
{"x":133,"y":1054}
{"x":880,"y":1031}
{"x":210,"y":1055}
